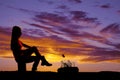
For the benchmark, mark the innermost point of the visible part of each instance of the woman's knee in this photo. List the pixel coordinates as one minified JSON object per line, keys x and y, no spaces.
{"x":34,"y":48}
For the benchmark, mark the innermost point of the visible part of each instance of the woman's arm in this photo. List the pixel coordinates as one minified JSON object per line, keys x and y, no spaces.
{"x":25,"y":45}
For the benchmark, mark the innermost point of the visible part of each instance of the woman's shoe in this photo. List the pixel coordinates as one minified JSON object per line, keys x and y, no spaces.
{"x":46,"y":64}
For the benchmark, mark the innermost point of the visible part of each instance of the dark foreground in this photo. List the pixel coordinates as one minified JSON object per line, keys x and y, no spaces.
{"x":14,"y":75}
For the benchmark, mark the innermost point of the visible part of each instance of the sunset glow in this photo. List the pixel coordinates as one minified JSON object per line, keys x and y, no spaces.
{"x":87,"y":32}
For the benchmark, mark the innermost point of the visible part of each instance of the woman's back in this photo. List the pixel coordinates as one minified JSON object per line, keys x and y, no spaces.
{"x":15,"y":43}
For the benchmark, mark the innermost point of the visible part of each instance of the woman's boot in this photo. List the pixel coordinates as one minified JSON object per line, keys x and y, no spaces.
{"x":45,"y":62}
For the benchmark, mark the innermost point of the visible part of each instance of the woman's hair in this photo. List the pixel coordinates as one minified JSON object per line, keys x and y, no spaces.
{"x":16,"y":32}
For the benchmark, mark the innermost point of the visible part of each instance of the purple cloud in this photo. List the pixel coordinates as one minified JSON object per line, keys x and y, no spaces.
{"x":118,"y":11}
{"x":81,"y":16}
{"x":78,"y":14}
{"x":76,"y":1}
{"x":24,"y":10}
{"x":63,"y":7}
{"x":5,"y":30}
{"x":112,"y":28}
{"x":106,"y":6}
{"x":93,"y":37}
{"x":103,"y":55}
{"x":47,"y":1}
{"x":52,"y":17}
{"x":42,"y":29}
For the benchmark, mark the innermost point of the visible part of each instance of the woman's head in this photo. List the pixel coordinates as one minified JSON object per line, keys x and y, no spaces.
{"x":16,"y":32}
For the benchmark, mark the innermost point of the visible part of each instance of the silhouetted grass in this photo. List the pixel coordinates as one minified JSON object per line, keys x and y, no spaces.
{"x":14,"y":75}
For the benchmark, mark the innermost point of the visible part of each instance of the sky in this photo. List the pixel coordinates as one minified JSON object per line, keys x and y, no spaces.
{"x":87,"y":32}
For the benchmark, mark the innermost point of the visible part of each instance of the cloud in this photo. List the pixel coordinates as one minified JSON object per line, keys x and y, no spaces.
{"x":111,"y":32}
{"x":47,"y":1}
{"x":56,"y":24}
{"x":5,"y":30}
{"x":118,"y":11}
{"x":64,"y":46}
{"x":61,"y":24}
{"x":5,"y":34}
{"x":53,"y":2}
{"x":96,"y":53}
{"x":60,"y":32}
{"x":100,"y":55}
{"x":117,"y":46}
{"x":112,"y":28}
{"x":106,"y":6}
{"x":43,"y":30}
{"x":78,"y":14}
{"x":59,"y":45}
{"x":23,"y":10}
{"x":92,"y":36}
{"x":53,"y":17}
{"x":82,"y":16}
{"x":63,"y":7}
{"x":75,"y":1}
{"x":56,"y":18}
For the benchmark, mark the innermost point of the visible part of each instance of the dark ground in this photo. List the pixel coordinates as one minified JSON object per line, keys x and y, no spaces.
{"x":14,"y":75}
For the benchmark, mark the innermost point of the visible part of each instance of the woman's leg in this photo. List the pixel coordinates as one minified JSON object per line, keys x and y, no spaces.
{"x":44,"y":61}
{"x":30,"y":51}
{"x":38,"y":56}
{"x":28,"y":58}
{"x":35,"y":50}
{"x":35,"y":64}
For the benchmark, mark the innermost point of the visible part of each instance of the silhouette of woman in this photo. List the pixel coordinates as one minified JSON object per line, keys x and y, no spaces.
{"x":24,"y":56}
